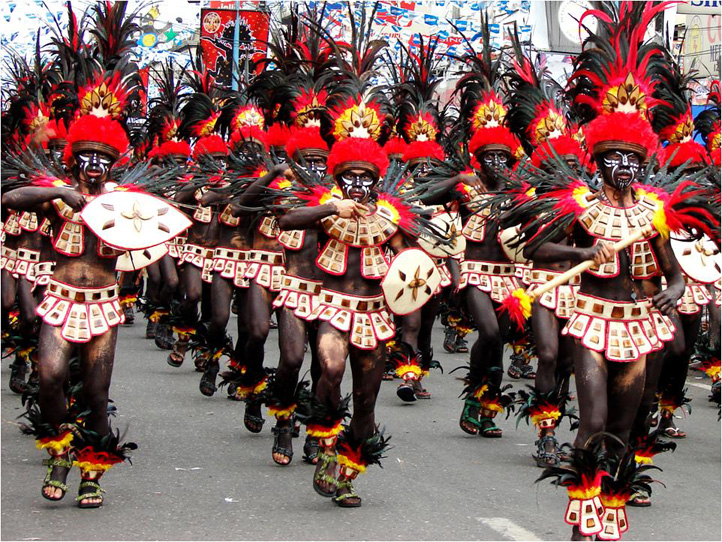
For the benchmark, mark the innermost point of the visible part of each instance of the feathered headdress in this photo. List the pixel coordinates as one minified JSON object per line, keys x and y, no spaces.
{"x":419,"y":120}
{"x":482,"y":113}
{"x":672,"y":120}
{"x":538,"y":113}
{"x":612,"y":86}
{"x":707,"y":123}
{"x":306,"y":139}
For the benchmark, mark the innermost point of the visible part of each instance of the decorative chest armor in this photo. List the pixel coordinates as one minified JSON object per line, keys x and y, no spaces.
{"x":607,"y":223}
{"x":227,"y":218}
{"x":28,"y":221}
{"x":269,"y":227}
{"x":367,"y":233}
{"x":70,"y":240}
{"x":202,"y":214}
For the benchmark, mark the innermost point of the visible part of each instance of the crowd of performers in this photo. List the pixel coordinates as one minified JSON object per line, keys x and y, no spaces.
{"x":577,"y":223}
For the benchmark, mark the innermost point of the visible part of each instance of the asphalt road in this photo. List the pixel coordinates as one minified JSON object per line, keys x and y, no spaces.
{"x":199,"y":475}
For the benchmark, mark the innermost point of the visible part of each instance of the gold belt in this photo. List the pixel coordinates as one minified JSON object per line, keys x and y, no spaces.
{"x":82,"y":295}
{"x":350,"y":302}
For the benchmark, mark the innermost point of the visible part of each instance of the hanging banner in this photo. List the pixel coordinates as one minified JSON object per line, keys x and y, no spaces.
{"x":217,"y":30}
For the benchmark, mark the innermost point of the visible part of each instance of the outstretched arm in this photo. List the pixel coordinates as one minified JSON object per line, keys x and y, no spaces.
{"x":253,"y":192}
{"x":440,"y":192}
{"x":38,"y":198}
{"x":304,"y":218}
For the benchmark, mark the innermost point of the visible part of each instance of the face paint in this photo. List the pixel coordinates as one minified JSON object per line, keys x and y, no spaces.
{"x":356,"y":184}
{"x":619,"y":168}
{"x":93,"y":167}
{"x":314,"y":162}
{"x":493,"y":161}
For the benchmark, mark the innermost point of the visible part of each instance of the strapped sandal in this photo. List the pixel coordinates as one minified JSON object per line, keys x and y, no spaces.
{"x":543,"y":457}
{"x":178,"y":353}
{"x":252,"y":422}
{"x":324,"y":460}
{"x":640,"y":500}
{"x":467,"y":417}
{"x":49,"y":482}
{"x":343,"y":500}
{"x":97,"y":494}
{"x":163,"y":336}
{"x":310,"y":450}
{"x":450,"y":340}
{"x":207,"y":385}
{"x":280,"y":449}
{"x":461,"y":346}
{"x":150,"y":329}
{"x":528,"y":372}
{"x":490,"y":431}
{"x":675,"y":432}
{"x":514,"y":371}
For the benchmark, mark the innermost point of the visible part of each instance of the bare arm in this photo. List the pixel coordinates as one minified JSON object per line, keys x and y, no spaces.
{"x":303,"y":218}
{"x":212,"y":197}
{"x":440,"y":192}
{"x":253,"y":192}
{"x":185,"y":194}
{"x":666,"y":300}
{"x":38,"y":198}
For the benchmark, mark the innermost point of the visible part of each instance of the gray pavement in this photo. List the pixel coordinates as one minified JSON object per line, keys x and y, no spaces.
{"x":199,"y":475}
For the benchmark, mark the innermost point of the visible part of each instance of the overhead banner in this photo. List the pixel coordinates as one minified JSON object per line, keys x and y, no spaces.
{"x":217,"y":31}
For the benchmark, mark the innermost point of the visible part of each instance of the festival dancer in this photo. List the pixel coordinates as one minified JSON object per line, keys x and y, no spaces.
{"x":420,"y":124}
{"x":540,"y":118}
{"x":487,"y":273}
{"x":80,"y":308}
{"x":615,"y":324}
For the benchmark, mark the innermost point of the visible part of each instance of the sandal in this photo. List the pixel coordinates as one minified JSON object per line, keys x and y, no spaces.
{"x":150,"y":329}
{"x":461,"y":347}
{"x":405,"y":391}
{"x":468,"y":418}
{"x":349,"y":499}
{"x":253,"y":422}
{"x":675,"y":432}
{"x":17,"y":376}
{"x":528,"y":372}
{"x":52,"y":463}
{"x":420,"y":391}
{"x":208,"y":380}
{"x":286,"y":452}
{"x":491,"y":430}
{"x":178,"y":354}
{"x":321,"y":475}
{"x":544,"y":458}
{"x":450,"y":340}
{"x":514,"y":371}
{"x":640,"y":500}
{"x":310,"y":450}
{"x":163,"y":336}
{"x":85,"y":495}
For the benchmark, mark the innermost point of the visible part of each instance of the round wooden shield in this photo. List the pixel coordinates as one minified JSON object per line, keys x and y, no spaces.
{"x":515,"y":254}
{"x":410,"y":282}
{"x":133,"y":220}
{"x":450,"y":226}
{"x":699,"y":259}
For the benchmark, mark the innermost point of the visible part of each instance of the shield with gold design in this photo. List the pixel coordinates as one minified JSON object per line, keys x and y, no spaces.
{"x":449,"y":241}
{"x":133,"y":220}
{"x":133,"y":260}
{"x":699,"y":259}
{"x":410,"y":281}
{"x":509,"y":237}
